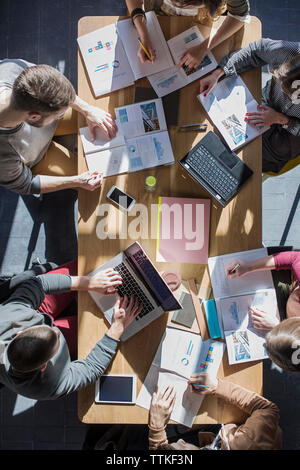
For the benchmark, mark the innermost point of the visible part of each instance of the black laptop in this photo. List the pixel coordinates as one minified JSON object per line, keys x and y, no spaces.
{"x":220,"y":171}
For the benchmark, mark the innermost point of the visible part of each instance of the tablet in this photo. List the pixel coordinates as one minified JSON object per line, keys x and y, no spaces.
{"x":118,"y":389}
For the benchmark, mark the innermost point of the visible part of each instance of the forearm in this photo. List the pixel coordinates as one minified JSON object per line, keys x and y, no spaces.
{"x":260,"y":264}
{"x":55,"y":283}
{"x":157,"y":437}
{"x":81,"y":106}
{"x":50,"y":184}
{"x":229,"y":27}
{"x":255,"y":55}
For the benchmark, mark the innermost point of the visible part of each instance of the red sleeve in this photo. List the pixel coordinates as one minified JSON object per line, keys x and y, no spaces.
{"x":288,"y":260}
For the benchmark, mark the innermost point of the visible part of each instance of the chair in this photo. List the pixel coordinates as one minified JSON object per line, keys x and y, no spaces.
{"x":287,"y":167}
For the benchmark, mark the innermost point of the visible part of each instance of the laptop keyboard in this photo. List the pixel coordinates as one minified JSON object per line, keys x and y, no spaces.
{"x":131,"y":287}
{"x":203,"y":163}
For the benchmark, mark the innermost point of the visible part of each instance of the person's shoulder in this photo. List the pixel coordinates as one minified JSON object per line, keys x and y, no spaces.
{"x":10,"y":69}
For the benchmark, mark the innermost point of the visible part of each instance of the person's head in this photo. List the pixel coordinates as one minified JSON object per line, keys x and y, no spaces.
{"x":43,"y":94}
{"x":32,"y":348}
{"x":288,"y":75}
{"x":214,"y":7}
{"x":283,"y":344}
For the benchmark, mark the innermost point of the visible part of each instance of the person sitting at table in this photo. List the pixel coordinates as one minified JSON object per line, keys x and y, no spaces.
{"x":34,"y":340}
{"x":288,"y":294}
{"x":32,"y":100}
{"x":207,"y":10}
{"x":260,"y":431}
{"x":280,"y":109}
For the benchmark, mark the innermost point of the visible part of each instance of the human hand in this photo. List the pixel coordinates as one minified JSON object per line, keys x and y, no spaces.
{"x":205,"y":381}
{"x":262,"y":320}
{"x":209,"y":81}
{"x":241,"y":269}
{"x":105,"y":282}
{"x":97,"y":117}
{"x":193,"y":57}
{"x":161,"y":407}
{"x":125,"y":311}
{"x":89,"y":180}
{"x":147,"y":43}
{"x":265,"y":116}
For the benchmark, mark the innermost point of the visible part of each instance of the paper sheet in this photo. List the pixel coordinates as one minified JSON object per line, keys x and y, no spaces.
{"x":227,"y":105}
{"x":129,"y":36}
{"x":101,"y":142}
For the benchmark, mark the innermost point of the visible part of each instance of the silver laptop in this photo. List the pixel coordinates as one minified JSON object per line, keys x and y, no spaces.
{"x":141,"y":279}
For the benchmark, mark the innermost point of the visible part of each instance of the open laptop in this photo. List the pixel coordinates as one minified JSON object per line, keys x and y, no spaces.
{"x":140,"y":278}
{"x":219,"y":170}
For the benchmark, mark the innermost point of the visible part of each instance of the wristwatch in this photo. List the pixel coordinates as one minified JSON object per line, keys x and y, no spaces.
{"x":137,"y":12}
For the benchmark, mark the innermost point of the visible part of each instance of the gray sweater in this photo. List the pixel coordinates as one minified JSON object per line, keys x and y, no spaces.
{"x":61,"y":376}
{"x":24,"y":146}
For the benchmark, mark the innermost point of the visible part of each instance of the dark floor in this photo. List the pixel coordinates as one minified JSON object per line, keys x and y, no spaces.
{"x":44,"y":31}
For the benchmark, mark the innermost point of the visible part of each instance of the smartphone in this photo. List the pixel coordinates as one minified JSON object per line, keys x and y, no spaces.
{"x":120,"y":198}
{"x":116,"y":389}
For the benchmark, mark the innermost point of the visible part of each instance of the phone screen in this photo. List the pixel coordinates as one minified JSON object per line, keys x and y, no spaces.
{"x":116,"y":388}
{"x":121,"y":198}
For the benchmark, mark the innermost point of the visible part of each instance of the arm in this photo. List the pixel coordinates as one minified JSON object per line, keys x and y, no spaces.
{"x":142,"y":30}
{"x":246,"y":267}
{"x":95,"y":117}
{"x":86,"y":371}
{"x":288,"y":260}
{"x":161,"y":407}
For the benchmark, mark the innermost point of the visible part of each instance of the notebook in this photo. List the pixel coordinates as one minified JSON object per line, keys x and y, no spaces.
{"x":232,"y":299}
{"x":179,"y":355}
{"x":110,"y":55}
{"x":183,"y":230}
{"x":227,"y":105}
{"x":142,"y":141}
{"x":172,"y":79}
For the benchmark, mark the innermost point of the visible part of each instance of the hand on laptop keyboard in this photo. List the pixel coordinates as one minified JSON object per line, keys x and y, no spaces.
{"x":125,"y":311}
{"x":105,"y":282}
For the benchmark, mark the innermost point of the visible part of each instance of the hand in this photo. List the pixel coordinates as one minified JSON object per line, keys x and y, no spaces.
{"x":209,"y":82}
{"x":265,"y":116}
{"x":238,"y":272}
{"x":105,"y":282}
{"x":262,"y":320}
{"x":162,"y":404}
{"x":193,"y":57}
{"x":97,"y":117}
{"x":204,"y":379}
{"x":145,"y":39}
{"x":89,"y":180}
{"x":125,"y":311}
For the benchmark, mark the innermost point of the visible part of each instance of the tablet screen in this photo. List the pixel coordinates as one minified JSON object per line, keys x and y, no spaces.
{"x":116,"y":389}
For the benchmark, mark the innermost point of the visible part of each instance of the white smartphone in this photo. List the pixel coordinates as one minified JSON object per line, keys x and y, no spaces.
{"x":120,"y":198}
{"x":116,"y":389}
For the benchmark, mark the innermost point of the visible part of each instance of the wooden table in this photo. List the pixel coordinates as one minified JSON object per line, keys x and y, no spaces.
{"x":235,"y":228}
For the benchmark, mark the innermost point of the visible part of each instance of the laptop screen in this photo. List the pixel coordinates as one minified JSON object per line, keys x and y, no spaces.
{"x":156,"y":285}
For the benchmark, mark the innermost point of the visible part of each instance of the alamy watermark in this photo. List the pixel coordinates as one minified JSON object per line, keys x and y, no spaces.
{"x":295,"y":98}
{"x":179,"y":222}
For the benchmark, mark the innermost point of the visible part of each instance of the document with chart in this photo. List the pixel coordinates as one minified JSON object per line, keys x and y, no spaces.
{"x":172,"y":79}
{"x":110,"y":54}
{"x":227,"y":105}
{"x":179,"y":355}
{"x":142,"y":141}
{"x":233,"y":297}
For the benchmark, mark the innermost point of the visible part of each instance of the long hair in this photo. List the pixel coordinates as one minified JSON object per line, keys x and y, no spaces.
{"x":288,"y":74}
{"x":283,"y":344}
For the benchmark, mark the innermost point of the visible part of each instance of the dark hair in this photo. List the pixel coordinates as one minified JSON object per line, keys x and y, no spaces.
{"x":212,"y":6}
{"x":31,"y":348}
{"x":43,"y":89}
{"x":287,"y":74}
{"x":283,"y":344}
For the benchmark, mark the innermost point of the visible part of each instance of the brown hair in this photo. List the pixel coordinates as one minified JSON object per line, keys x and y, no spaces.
{"x":287,"y":74}
{"x":31,"y":348}
{"x":283,"y":344}
{"x":214,"y":7}
{"x":42,"y":89}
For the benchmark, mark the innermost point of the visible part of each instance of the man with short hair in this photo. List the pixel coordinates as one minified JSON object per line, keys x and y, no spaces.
{"x":34,"y":353}
{"x":32,"y":100}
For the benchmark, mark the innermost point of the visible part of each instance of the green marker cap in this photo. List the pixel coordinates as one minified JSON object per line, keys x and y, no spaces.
{"x":151,"y":181}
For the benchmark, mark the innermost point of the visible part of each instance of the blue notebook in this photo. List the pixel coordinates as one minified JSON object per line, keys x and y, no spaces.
{"x":211,"y":316}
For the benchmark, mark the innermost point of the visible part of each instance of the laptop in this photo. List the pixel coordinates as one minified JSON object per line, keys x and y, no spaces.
{"x":219,"y":170}
{"x":140,"y":278}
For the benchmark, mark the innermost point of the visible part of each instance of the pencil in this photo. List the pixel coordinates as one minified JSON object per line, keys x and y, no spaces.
{"x":144,"y":49}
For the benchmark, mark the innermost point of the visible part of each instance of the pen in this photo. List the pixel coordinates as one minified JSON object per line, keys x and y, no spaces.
{"x":193,"y":128}
{"x":234,"y":268}
{"x":194,"y":125}
{"x":144,"y":49}
{"x":201,"y":385}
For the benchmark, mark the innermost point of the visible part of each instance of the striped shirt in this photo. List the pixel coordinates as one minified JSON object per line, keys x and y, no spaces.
{"x":272,"y":53}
